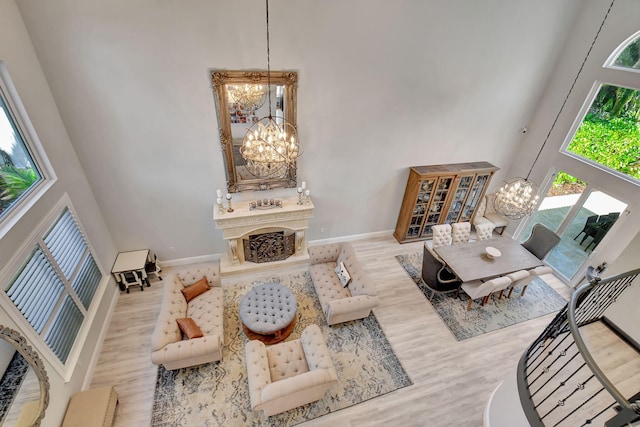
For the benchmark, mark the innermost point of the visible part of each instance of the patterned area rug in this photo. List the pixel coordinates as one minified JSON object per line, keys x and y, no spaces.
{"x":217,"y":394}
{"x":538,"y":300}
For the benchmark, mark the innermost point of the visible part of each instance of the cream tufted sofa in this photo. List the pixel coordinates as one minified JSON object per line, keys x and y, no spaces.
{"x":289,"y":374}
{"x":341,"y":304}
{"x":167,"y":346}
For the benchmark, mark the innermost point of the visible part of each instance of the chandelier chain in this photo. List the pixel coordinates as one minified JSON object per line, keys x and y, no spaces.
{"x":553,"y":125}
{"x":269,"y":61}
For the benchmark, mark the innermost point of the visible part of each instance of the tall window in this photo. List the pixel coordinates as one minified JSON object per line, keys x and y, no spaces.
{"x":18,"y":170}
{"x":609,"y":134}
{"x":55,"y":285}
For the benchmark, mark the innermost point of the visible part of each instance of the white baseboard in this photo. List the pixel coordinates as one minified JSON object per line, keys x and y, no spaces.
{"x":103,"y":334}
{"x":215,"y":257}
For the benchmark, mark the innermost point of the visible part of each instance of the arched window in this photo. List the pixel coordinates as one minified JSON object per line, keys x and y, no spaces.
{"x":608,"y":135}
{"x":627,"y":55}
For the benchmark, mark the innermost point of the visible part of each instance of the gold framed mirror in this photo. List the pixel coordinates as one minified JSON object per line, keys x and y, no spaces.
{"x":234,"y":119}
{"x":25,"y":384}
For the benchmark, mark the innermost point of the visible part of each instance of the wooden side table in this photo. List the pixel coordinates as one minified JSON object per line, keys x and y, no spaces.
{"x":129,"y":269}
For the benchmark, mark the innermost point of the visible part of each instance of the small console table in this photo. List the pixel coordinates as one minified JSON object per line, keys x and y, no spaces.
{"x":131,"y":264}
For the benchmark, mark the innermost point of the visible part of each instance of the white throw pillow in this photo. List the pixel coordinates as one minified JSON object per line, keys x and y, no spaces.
{"x":343,"y":274}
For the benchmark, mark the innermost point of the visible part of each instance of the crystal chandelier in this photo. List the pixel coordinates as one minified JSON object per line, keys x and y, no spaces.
{"x":270,"y":147}
{"x":519,"y":197}
{"x":248,"y":97}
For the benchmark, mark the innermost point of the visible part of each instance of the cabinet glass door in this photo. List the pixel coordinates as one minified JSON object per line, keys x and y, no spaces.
{"x":437,"y":204}
{"x":420,"y":208}
{"x":458,"y":199}
{"x":474,"y":196}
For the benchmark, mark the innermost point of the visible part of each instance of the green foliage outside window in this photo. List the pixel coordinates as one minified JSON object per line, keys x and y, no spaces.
{"x":610,"y":134}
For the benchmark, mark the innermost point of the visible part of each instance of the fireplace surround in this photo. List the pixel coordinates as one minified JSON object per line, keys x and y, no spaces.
{"x":290,"y":220}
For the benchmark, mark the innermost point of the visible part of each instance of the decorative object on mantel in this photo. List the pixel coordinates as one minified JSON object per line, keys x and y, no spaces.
{"x":518,"y":197}
{"x":219,"y":201}
{"x":265,"y":204}
{"x":229,"y":209}
{"x":270,"y":146}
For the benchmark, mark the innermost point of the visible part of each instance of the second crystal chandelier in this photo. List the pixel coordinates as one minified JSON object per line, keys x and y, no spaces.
{"x":270,"y":147}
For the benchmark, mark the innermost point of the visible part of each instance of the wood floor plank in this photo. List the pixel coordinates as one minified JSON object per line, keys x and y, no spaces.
{"x":452,"y":380}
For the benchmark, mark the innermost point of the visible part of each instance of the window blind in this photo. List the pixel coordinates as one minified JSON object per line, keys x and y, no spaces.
{"x":55,"y":286}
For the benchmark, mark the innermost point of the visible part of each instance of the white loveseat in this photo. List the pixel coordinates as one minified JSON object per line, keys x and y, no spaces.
{"x":168,"y":348}
{"x":341,"y":304}
{"x":289,"y":374}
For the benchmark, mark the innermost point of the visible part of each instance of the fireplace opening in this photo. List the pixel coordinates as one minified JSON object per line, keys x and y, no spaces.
{"x":269,"y":247}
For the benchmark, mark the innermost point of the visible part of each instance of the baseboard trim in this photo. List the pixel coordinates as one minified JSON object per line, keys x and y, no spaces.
{"x":103,"y":334}
{"x":216,"y":257}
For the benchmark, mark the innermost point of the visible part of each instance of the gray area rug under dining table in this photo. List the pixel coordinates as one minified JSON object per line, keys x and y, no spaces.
{"x":539,"y":299}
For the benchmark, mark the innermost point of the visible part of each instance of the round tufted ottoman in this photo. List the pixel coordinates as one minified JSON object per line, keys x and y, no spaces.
{"x":268,"y":313}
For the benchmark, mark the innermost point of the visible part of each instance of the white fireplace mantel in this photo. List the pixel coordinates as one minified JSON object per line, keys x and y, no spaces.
{"x":243,"y":222}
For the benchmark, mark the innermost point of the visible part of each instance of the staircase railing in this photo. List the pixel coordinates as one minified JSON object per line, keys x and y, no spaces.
{"x":559,"y":382}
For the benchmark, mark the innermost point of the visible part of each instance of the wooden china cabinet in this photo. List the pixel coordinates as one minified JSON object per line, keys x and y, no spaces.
{"x":439,"y":194}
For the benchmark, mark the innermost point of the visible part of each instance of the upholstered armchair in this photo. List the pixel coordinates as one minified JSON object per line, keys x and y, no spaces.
{"x":460,"y":232}
{"x":485,"y":213}
{"x":441,"y":235}
{"x":289,"y":374}
{"x":341,"y":303}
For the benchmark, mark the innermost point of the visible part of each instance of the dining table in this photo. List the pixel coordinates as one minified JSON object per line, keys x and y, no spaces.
{"x":470,"y":261}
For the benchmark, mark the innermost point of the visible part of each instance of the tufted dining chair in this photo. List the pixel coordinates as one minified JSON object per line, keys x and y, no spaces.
{"x":484,"y":231}
{"x":478,"y":289}
{"x":460,"y":232}
{"x":441,"y":235}
{"x":289,"y":374}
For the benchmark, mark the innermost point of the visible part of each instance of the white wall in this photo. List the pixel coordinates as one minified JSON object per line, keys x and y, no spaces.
{"x":621,"y":24}
{"x":17,"y":53}
{"x":382,"y":86}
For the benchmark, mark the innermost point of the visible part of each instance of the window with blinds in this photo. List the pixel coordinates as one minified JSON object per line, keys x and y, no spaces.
{"x":55,"y":286}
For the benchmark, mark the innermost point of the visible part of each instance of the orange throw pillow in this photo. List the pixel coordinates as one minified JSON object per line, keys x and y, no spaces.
{"x":192,"y":291}
{"x":189,"y":327}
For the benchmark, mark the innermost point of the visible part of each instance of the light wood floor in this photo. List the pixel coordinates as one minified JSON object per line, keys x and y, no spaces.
{"x":452,"y":380}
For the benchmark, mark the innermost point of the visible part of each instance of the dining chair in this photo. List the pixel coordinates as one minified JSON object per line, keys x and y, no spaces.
{"x":541,"y":241}
{"x":460,"y":232}
{"x":435,"y":275}
{"x":524,"y":278}
{"x":590,"y":220}
{"x":520,"y":278}
{"x":476,"y":289}
{"x":441,"y":235}
{"x":484,"y":231}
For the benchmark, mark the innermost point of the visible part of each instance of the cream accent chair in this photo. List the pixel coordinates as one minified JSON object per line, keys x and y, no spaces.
{"x":441,"y":235}
{"x":485,"y":213}
{"x":523,"y":278}
{"x":479,"y":289}
{"x":341,"y":303}
{"x":460,"y":231}
{"x":289,"y":374}
{"x":484,"y":231}
{"x":207,"y":310}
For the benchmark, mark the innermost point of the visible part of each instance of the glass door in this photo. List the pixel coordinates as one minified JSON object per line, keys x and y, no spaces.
{"x":581,"y":216}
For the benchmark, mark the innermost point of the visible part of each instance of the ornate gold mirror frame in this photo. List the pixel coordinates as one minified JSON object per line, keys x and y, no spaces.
{"x":31,"y":411}
{"x":237,"y":177}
